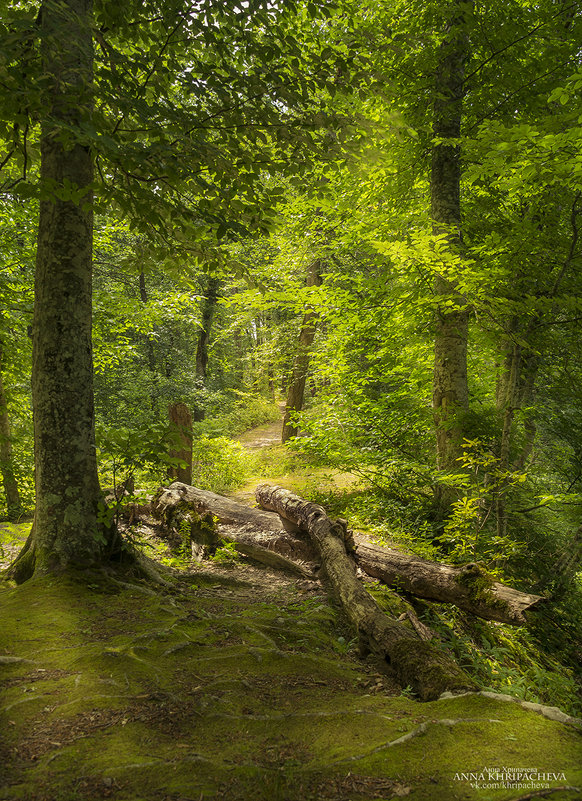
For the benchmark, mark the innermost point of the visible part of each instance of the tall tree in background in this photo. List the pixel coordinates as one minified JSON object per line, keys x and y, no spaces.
{"x":209,"y":301}
{"x":450,"y":389}
{"x":296,"y":391}
{"x":13,"y":502}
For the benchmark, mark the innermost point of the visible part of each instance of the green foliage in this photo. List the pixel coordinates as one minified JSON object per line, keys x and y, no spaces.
{"x":226,"y":554}
{"x":466,"y":535}
{"x":218,"y":464}
{"x":508,"y":660}
{"x":236,"y":412}
{"x":125,"y":453}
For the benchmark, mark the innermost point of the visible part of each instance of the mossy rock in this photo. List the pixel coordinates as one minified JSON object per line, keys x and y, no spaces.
{"x":211,"y":692}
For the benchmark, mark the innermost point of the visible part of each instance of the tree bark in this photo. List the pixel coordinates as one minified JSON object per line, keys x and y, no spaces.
{"x":9,"y":482}
{"x":467,"y":586}
{"x":296,"y":389}
{"x":262,"y":536}
{"x":208,"y":310}
{"x":67,"y":528}
{"x":180,"y":416}
{"x":416,"y":662}
{"x":149,"y":345}
{"x":450,"y":388}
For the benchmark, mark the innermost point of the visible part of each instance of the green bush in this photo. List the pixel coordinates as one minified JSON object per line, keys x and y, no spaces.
{"x":218,"y":464}
{"x":246,"y":412}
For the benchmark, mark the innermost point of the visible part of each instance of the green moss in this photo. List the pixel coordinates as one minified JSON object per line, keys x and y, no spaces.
{"x":207,"y":693}
{"x":479,"y":582}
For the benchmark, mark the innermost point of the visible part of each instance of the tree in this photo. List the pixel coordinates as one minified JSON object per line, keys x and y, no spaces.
{"x":181,"y":96}
{"x":67,"y":530}
{"x":296,"y":389}
{"x":450,"y":387}
{"x":13,"y":502}
{"x":209,"y":302}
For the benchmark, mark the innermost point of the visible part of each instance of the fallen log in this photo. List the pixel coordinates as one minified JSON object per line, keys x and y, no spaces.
{"x":260,"y":535}
{"x":417,"y":663}
{"x":467,"y":586}
{"x":179,"y":495}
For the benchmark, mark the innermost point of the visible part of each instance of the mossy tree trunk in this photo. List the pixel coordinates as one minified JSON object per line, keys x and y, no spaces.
{"x":450,"y":388}
{"x":67,"y":530}
{"x":296,"y":391}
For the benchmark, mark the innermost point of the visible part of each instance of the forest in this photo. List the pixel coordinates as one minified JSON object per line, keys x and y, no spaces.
{"x":290,"y":400}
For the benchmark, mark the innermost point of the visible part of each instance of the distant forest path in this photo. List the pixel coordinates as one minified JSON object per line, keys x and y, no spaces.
{"x":263,"y":436}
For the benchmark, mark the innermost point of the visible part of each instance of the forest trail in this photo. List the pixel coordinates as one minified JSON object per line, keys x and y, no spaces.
{"x":264,"y":436}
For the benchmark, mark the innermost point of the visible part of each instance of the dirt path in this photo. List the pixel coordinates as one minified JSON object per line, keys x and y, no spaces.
{"x":264,"y":436}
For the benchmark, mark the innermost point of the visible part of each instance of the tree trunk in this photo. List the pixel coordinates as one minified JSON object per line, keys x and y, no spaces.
{"x":67,"y":529}
{"x":450,"y":389}
{"x":180,"y":416}
{"x":13,"y":503}
{"x":515,"y":390}
{"x":208,"y":309}
{"x":417,"y":663}
{"x":296,"y":389}
{"x":468,"y":587}
{"x":149,"y":345}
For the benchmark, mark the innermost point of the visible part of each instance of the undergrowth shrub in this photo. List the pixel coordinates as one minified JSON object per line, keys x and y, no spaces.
{"x":506,"y":659}
{"x":219,"y":464}
{"x":244,"y":412}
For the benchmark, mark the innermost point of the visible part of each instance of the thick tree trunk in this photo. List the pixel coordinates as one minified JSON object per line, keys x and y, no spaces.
{"x":450,"y":389}
{"x":67,"y":529}
{"x":416,"y":662}
{"x":180,"y":416}
{"x":9,"y":482}
{"x":467,"y":586}
{"x":296,"y":389}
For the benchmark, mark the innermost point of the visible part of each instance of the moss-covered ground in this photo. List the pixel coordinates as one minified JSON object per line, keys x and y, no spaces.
{"x":234,"y":684}
{"x":241,"y":684}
